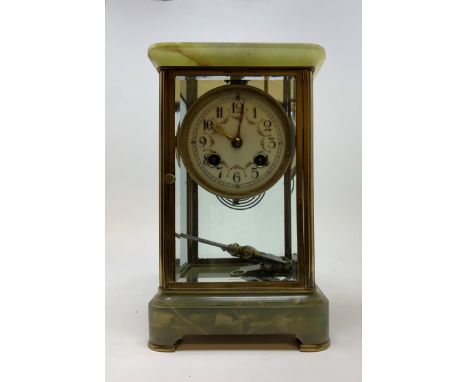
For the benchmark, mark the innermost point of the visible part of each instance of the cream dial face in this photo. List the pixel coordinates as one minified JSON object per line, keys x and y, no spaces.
{"x":235,"y":141}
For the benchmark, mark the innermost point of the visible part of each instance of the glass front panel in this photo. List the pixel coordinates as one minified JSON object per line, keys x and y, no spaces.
{"x":235,"y":179}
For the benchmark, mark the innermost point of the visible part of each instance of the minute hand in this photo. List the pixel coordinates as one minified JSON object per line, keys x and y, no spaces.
{"x":240,"y":120}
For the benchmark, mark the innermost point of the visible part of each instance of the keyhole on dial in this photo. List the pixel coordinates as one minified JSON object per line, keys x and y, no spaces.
{"x":214,"y":159}
{"x":260,"y":160}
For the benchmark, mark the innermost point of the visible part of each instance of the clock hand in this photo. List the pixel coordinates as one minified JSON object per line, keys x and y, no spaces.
{"x":244,"y":252}
{"x":236,"y":141}
{"x":218,"y":129}
{"x":240,"y":120}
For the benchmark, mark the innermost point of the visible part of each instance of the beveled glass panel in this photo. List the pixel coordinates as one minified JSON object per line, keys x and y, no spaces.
{"x":207,"y":223}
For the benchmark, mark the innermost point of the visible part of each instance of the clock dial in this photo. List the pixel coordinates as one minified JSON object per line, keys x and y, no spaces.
{"x":235,"y":141}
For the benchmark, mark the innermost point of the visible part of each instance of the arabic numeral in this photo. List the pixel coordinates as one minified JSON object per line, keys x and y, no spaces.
{"x":208,"y":125}
{"x":266,"y":127}
{"x":219,"y":112}
{"x":271,"y":143}
{"x":236,"y":106}
{"x":236,"y":177}
{"x":254,"y":173}
{"x":202,"y":141}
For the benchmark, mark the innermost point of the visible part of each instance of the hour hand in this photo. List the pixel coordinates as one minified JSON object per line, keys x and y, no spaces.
{"x":218,"y":129}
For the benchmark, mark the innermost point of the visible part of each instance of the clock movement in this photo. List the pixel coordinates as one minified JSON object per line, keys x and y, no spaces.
{"x":236,"y":230}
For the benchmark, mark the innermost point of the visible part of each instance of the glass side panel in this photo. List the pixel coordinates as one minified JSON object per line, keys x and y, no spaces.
{"x":207,"y":223}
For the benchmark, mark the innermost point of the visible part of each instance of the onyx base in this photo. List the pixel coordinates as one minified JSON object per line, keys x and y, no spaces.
{"x":173,"y":315}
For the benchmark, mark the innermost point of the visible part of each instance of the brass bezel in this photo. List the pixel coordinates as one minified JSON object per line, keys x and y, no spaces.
{"x":184,"y":145}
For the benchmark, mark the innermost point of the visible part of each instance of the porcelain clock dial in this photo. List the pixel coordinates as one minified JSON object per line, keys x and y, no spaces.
{"x":235,"y":141}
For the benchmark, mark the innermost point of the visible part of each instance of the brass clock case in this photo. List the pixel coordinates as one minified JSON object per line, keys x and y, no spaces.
{"x":184,"y":141}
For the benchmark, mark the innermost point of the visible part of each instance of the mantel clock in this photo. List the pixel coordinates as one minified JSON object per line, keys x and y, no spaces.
{"x":236,"y":193}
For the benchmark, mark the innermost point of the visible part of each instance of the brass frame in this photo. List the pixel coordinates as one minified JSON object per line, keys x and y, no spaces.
{"x":302,"y":347}
{"x":304,"y":180}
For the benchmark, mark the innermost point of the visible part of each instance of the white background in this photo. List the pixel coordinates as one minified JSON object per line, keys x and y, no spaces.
{"x":131,"y":163}
{"x":414,"y":192}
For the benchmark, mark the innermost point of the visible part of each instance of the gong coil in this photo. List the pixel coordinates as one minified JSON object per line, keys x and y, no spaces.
{"x":241,"y":204}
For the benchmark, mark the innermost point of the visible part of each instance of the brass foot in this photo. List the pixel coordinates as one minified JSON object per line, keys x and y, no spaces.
{"x":163,"y":348}
{"x":313,"y":347}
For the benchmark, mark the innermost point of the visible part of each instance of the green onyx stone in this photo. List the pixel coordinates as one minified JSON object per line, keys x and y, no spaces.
{"x":298,"y":55}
